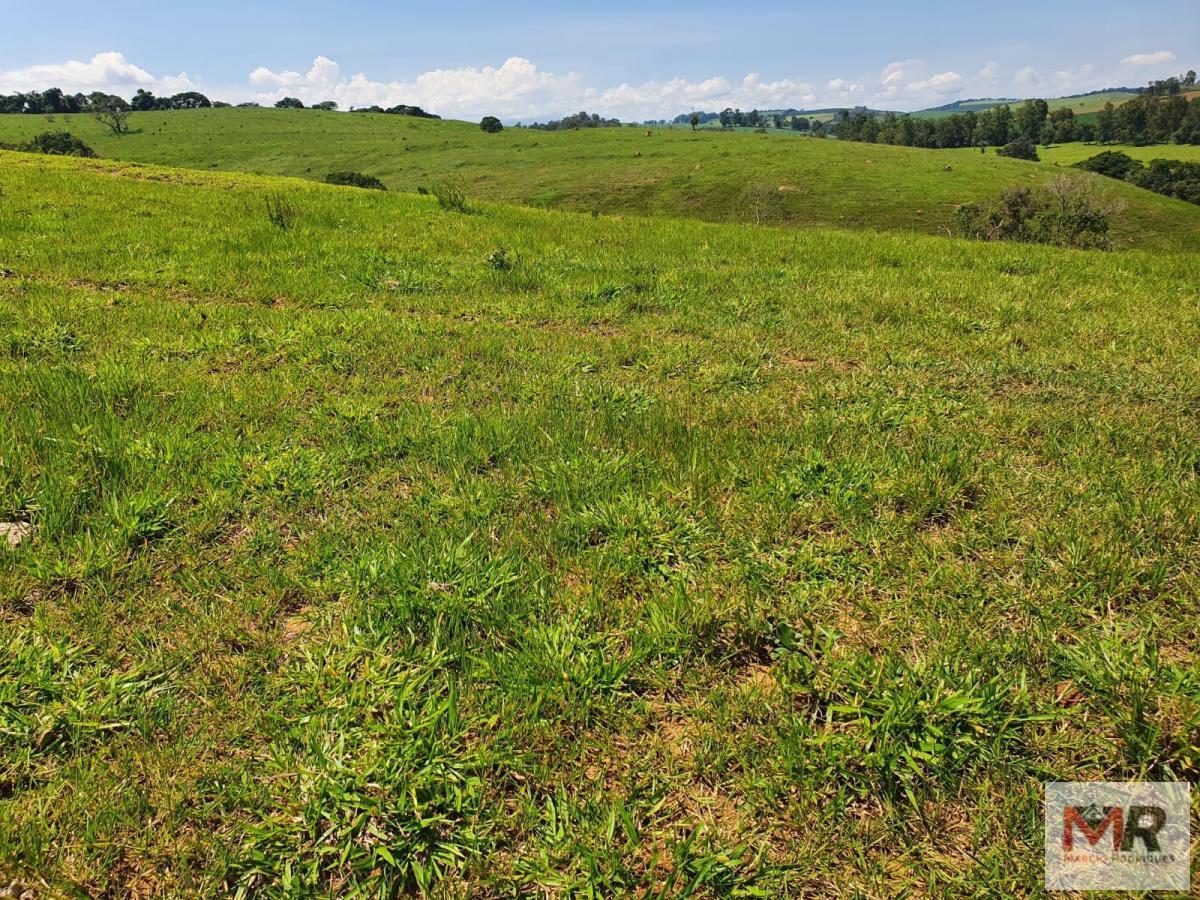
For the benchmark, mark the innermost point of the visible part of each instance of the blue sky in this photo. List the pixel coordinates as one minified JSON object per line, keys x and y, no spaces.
{"x":632,"y":59}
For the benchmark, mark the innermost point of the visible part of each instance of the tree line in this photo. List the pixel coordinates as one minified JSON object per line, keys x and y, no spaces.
{"x":579,"y":120}
{"x":54,"y":101}
{"x":1161,"y":113}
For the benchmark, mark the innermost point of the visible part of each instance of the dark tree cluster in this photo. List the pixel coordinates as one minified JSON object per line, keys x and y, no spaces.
{"x":1151,"y":119}
{"x":54,"y":143}
{"x":1176,"y":84}
{"x":702,"y":118}
{"x":735,"y":118}
{"x":579,"y":120}
{"x":401,"y":110}
{"x":55,"y":101}
{"x":144,"y":101}
{"x":1170,"y":177}
{"x":1033,"y":122}
{"x":491,"y":125}
{"x":1161,"y":113}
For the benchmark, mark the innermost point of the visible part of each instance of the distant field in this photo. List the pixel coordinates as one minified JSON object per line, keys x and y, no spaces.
{"x":518,"y":553}
{"x":617,"y":171}
{"x":1066,"y":154}
{"x":1084,"y":106}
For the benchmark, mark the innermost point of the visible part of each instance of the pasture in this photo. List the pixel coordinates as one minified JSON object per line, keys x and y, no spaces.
{"x":385,"y":548}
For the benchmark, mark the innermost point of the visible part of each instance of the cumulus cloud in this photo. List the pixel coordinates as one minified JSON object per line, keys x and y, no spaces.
{"x":905,"y":83}
{"x":519,"y":89}
{"x":842,"y":86}
{"x":1156,"y":58}
{"x":109,"y":72}
{"x":990,"y":71}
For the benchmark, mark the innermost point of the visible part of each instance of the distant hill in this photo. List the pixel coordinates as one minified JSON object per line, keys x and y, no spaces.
{"x":1082,"y":104}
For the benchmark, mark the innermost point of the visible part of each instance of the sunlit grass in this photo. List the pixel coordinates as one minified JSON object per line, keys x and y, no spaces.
{"x":665,"y":556}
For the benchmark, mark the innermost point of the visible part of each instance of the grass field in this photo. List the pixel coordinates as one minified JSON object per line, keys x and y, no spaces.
{"x":671,"y":173}
{"x":1069,"y":154}
{"x":521,"y":552}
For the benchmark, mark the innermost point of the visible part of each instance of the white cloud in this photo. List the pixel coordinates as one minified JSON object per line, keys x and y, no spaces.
{"x":109,"y":72}
{"x":519,"y":90}
{"x":989,"y":71}
{"x":943,"y":83}
{"x":904,"y":84}
{"x":1149,"y":59}
{"x":842,"y":86}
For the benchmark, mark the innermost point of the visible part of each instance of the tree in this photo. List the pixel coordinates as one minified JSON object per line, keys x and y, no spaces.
{"x":112,"y":117}
{"x":1030,"y":118}
{"x":726,"y":118}
{"x":1021,"y":148}
{"x":326,"y":105}
{"x":1106,"y":124}
{"x":695,"y":120}
{"x":777,"y":120}
{"x":289,"y":103}
{"x":491,"y":125}
{"x":190,"y":100}
{"x":143,"y":100}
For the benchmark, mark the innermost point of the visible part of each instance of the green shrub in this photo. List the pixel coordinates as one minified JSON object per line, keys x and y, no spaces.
{"x":1067,"y":212}
{"x":59,"y":143}
{"x":1171,"y":178}
{"x":1021,"y":148}
{"x":281,"y":211}
{"x":491,"y":125}
{"x":355,"y":179}
{"x":450,"y":195}
{"x":1111,"y":163}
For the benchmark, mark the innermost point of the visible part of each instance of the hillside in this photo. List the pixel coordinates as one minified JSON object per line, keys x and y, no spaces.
{"x":618,"y":170}
{"x":401,"y":549}
{"x":1081,"y":104}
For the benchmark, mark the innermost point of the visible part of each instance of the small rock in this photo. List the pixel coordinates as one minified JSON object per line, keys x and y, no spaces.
{"x":15,"y":532}
{"x":949,"y":168}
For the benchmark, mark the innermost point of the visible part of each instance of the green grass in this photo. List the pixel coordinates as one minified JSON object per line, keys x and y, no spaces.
{"x":613,"y":171}
{"x":660,"y":556}
{"x":1069,"y":154}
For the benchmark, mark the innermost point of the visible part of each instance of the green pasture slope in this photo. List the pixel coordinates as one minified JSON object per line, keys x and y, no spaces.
{"x":1069,"y":154}
{"x":521,"y":552}
{"x":618,"y":171}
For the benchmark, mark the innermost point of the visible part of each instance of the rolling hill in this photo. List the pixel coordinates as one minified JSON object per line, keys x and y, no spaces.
{"x":373,"y":548}
{"x":611,"y":171}
{"x":1082,"y":104}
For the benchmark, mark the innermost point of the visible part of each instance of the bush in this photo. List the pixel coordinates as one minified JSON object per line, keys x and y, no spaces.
{"x":1021,"y":148}
{"x":1067,"y":212}
{"x":281,"y":211}
{"x":289,"y":103}
{"x":1110,"y":163}
{"x":450,"y":195}
{"x":355,"y":179}
{"x":491,"y":125}
{"x":1170,"y":177}
{"x":58,"y":143}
